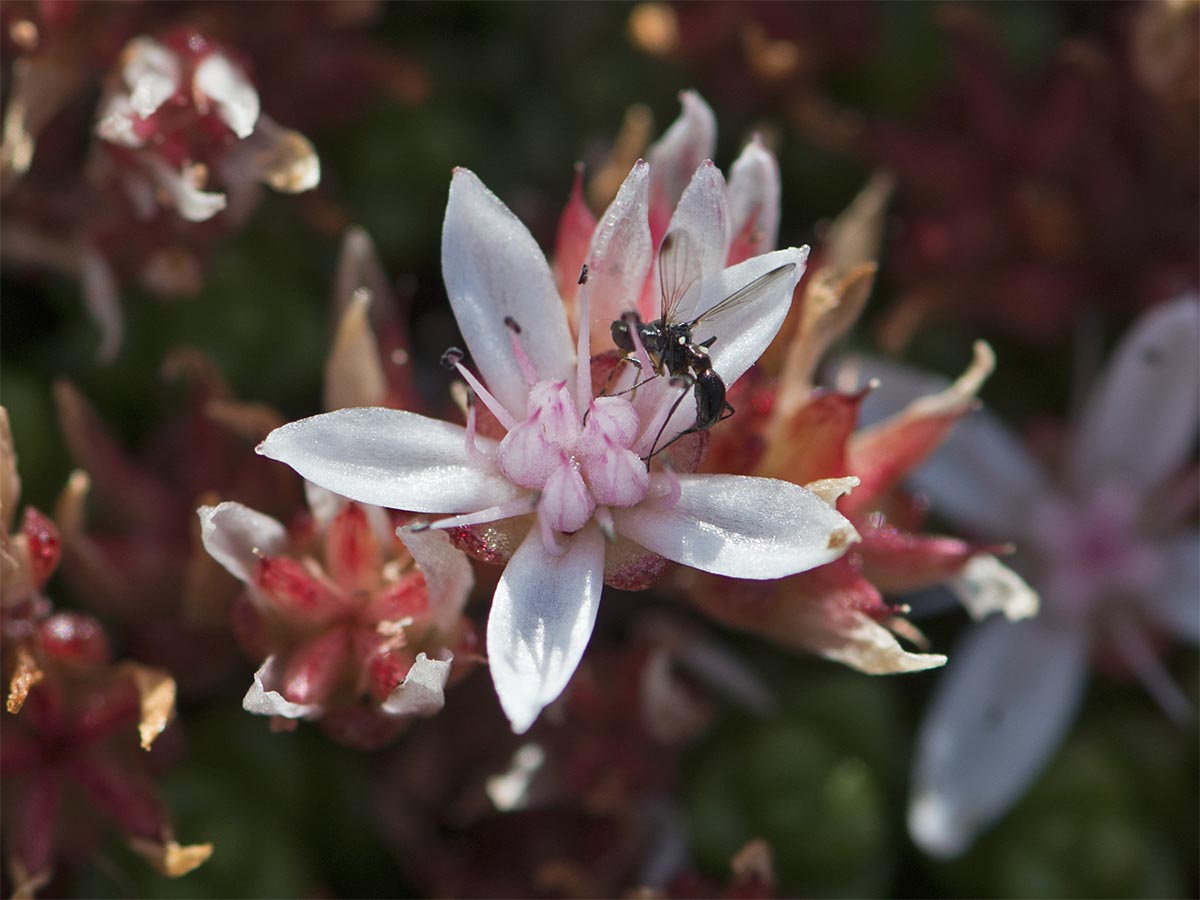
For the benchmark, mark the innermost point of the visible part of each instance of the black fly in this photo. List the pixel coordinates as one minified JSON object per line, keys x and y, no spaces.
{"x":670,"y":343}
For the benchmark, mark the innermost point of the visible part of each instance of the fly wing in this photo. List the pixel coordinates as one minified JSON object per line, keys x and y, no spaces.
{"x":677,"y":257}
{"x":738,"y":298}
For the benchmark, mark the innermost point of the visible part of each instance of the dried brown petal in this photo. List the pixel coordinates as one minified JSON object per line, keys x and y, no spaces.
{"x":170,"y":858}
{"x":25,"y":884}
{"x":156,"y":692}
{"x":26,"y":673}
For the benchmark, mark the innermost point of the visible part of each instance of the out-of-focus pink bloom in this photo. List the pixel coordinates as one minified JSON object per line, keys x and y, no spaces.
{"x":574,"y":462}
{"x":354,"y":627}
{"x":1106,"y":541}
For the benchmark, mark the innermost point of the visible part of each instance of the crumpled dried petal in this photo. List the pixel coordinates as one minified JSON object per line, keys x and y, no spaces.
{"x":26,"y":674}
{"x":171,"y":858}
{"x":156,"y":697}
{"x":422,"y":691}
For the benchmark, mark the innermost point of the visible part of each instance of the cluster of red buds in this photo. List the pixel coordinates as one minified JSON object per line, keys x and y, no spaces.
{"x":87,"y":735}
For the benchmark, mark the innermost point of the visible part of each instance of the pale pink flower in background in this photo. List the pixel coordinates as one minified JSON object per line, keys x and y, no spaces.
{"x":1108,"y":544}
{"x":572,"y":461}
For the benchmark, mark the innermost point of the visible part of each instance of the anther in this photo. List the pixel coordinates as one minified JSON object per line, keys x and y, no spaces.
{"x":583,"y":274}
{"x":452,"y":357}
{"x":511,"y":324}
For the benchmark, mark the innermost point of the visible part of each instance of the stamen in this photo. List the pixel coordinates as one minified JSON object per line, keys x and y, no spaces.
{"x":518,"y":506}
{"x":583,"y":354}
{"x":473,"y":451}
{"x":524,"y":363}
{"x":497,"y":408}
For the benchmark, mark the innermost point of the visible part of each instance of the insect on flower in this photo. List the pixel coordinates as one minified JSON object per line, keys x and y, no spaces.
{"x":668,"y":346}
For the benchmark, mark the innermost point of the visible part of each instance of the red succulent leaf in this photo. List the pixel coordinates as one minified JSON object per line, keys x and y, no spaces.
{"x":896,"y":561}
{"x":44,"y":545}
{"x":812,"y":443}
{"x":122,"y":793}
{"x":296,"y":593}
{"x":407,"y":597}
{"x":250,"y":628}
{"x":75,"y":639}
{"x":104,"y":709}
{"x":317,"y":666}
{"x":883,"y":455}
{"x":34,"y":818}
{"x":352,"y":554}
{"x":574,"y":236}
{"x":387,"y":669}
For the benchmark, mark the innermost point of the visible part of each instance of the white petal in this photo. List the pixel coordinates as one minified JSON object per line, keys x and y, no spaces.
{"x":494,"y":269}
{"x":390,"y":458}
{"x":230,"y":90}
{"x":981,"y":478}
{"x":115,"y":121}
{"x":619,"y":257}
{"x":448,"y":573}
{"x":189,"y":201}
{"x":985,"y":585}
{"x":421,"y":693}
{"x":754,"y":193}
{"x":541,"y":620}
{"x":739,"y":526}
{"x":263,"y":698}
{"x":1175,"y":604}
{"x":232,"y":533}
{"x":1004,"y":704}
{"x":743,"y":335}
{"x":702,"y":221}
{"x":151,"y":74}
{"x":1140,"y":420}
{"x":690,"y":140}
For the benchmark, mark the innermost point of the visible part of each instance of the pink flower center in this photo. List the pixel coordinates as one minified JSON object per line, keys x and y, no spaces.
{"x":1093,"y":551}
{"x":576,"y":465}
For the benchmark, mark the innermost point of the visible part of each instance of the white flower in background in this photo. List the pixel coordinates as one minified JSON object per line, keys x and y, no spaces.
{"x":571,"y":461}
{"x":1108,"y":545}
{"x":178,"y":111}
